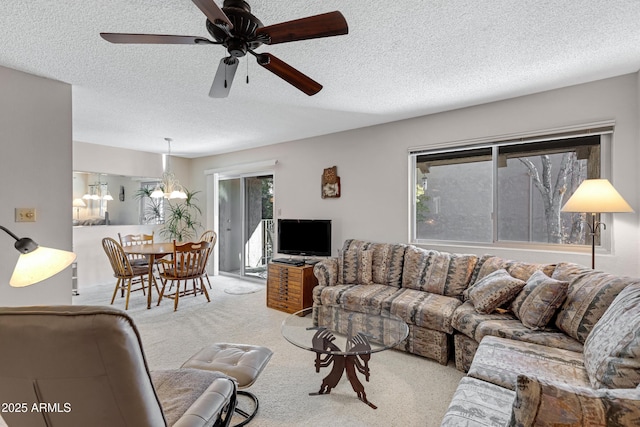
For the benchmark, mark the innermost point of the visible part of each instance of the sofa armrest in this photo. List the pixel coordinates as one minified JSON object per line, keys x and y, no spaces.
{"x":545,"y":403}
{"x":218,"y":402}
{"x":326,"y":271}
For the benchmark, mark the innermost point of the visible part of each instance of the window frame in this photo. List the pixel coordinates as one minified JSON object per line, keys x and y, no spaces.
{"x":604,"y":129}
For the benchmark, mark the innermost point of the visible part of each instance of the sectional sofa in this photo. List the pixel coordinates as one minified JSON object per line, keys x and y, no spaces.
{"x":542,"y":343}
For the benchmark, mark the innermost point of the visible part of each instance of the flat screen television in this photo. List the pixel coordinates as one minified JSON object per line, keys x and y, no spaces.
{"x":304,"y":237}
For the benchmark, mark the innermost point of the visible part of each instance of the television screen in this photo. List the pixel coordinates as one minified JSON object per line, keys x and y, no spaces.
{"x":304,"y":237}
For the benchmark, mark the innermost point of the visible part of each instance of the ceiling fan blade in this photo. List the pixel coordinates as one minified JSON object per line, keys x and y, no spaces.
{"x":224,"y":77}
{"x":213,"y":12}
{"x":324,"y":25}
{"x":153,"y":39}
{"x":288,"y":73}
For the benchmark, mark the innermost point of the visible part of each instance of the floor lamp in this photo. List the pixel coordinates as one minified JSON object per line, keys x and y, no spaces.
{"x":596,"y":196}
{"x":36,"y":263}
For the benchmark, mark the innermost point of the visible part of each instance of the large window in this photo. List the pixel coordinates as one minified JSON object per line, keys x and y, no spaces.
{"x":504,"y":192}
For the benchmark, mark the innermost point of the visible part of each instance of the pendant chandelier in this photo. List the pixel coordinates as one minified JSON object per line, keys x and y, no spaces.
{"x":98,"y":191}
{"x":169,"y":187}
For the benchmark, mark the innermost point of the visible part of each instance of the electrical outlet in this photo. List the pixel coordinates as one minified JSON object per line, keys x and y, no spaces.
{"x":25,"y":214}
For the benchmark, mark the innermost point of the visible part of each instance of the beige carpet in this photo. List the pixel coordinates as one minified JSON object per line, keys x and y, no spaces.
{"x":408,"y":390}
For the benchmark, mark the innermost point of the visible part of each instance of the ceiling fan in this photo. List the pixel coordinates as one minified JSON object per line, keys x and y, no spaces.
{"x":234,"y":27}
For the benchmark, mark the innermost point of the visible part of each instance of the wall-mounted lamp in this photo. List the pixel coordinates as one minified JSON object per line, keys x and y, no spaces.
{"x":596,"y":196}
{"x":36,"y":263}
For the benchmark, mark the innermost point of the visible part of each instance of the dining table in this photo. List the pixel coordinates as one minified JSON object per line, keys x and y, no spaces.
{"x":153,"y":252}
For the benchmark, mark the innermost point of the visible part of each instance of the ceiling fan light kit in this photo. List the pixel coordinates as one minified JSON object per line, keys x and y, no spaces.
{"x":234,"y":27}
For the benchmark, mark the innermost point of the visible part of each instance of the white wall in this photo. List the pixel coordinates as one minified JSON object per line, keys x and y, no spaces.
{"x":373,"y":166}
{"x":95,"y":158}
{"x":115,"y":161}
{"x":35,"y":171}
{"x":93,"y":265}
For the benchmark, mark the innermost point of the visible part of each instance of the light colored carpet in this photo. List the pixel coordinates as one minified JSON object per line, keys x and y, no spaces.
{"x":408,"y":390}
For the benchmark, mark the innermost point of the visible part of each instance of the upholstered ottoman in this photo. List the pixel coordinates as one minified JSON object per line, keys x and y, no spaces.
{"x":240,"y":361}
{"x":478,"y":403}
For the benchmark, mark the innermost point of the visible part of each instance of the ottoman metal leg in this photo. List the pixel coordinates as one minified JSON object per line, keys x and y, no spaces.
{"x":240,"y":361}
{"x":247,"y":415}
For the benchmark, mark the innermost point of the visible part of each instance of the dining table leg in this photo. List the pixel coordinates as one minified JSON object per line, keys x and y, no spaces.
{"x":151,"y":279}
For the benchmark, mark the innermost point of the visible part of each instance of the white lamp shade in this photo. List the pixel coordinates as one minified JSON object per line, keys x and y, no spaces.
{"x":596,"y":196}
{"x":108,"y":197}
{"x":79,"y":203}
{"x":40,"y":264}
{"x":177,"y":194}
{"x":157,"y":193}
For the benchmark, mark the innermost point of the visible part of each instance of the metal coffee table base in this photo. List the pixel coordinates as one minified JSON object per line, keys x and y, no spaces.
{"x":351,"y":364}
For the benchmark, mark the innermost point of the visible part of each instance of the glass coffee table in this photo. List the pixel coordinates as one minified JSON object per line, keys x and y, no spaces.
{"x":343,"y":340}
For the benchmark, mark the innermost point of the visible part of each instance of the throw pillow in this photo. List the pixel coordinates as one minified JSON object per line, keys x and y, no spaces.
{"x":538,"y":301}
{"x":355,"y":267}
{"x":494,"y":290}
{"x":611,"y":349}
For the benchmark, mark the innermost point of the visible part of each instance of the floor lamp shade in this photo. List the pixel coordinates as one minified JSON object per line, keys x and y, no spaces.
{"x":596,"y":196}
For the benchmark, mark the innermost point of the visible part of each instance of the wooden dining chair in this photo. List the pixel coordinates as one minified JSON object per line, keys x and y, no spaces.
{"x":211,"y":237}
{"x":126,"y":273}
{"x":188,"y":263}
{"x":137,"y":239}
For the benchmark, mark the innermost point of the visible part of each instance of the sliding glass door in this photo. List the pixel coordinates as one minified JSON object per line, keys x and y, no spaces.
{"x":245,"y":209}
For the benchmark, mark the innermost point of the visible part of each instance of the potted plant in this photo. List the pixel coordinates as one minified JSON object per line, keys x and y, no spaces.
{"x":181,"y":219}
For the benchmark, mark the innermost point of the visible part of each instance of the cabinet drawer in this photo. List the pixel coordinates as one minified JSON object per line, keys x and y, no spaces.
{"x":283,"y":294}
{"x":289,"y":288}
{"x":283,"y":306}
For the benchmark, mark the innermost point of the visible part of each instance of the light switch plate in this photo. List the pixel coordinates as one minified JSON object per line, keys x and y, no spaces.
{"x":25,"y":214}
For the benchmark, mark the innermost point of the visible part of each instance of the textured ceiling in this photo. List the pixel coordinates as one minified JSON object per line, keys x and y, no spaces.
{"x":400,"y":59}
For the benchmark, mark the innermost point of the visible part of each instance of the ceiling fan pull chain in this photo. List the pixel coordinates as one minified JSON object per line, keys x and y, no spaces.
{"x":247,"y":70}
{"x":225,"y":75}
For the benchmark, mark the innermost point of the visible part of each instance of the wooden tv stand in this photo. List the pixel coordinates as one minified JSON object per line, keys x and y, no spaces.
{"x":289,"y":287}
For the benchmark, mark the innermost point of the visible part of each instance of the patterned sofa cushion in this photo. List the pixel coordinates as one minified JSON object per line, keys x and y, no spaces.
{"x":361,"y":298}
{"x":500,"y":361}
{"x":476,"y":270}
{"x":505,"y":325}
{"x":423,"y":309}
{"x":518,"y":269}
{"x":612,"y":349}
{"x":515,"y":330}
{"x":437,"y":272}
{"x":479,"y":403}
{"x":494,"y":290}
{"x":388,"y":260}
{"x":542,"y":402}
{"x":467,"y":320}
{"x":355,"y":267}
{"x":416,"y":261}
{"x":590,"y":293}
{"x":538,"y":301}
{"x":326,"y":271}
